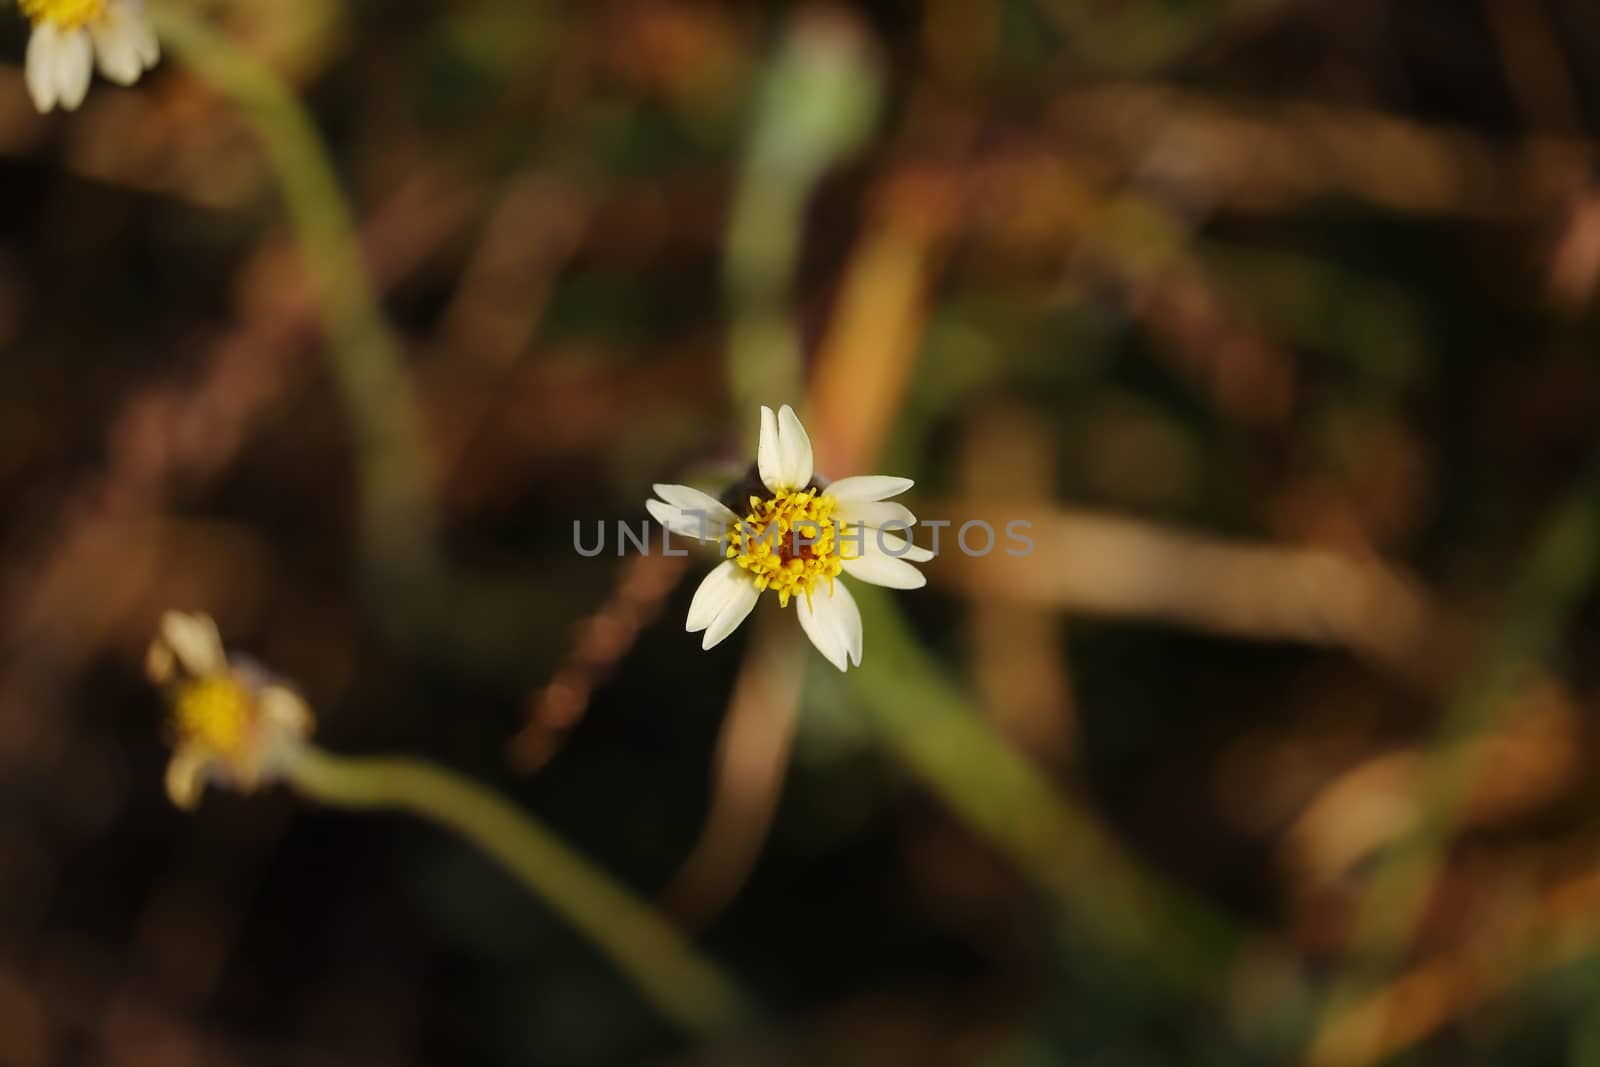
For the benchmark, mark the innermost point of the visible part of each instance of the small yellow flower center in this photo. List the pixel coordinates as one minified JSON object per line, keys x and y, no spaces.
{"x":214,"y":711}
{"x":67,"y":14}
{"x":789,"y":542}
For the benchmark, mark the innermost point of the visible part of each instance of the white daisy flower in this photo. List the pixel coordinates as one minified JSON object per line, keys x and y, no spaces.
{"x":71,"y":37}
{"x":796,"y":541}
{"x":232,"y":723}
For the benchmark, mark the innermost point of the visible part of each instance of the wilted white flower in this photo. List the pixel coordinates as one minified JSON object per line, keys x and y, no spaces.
{"x":232,"y":723}
{"x":71,"y":37}
{"x":796,"y":541}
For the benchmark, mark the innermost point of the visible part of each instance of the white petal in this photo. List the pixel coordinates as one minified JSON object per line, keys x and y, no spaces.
{"x":149,"y":45}
{"x":187,"y":772}
{"x":734,"y":610}
{"x":285,"y":709}
{"x":116,"y":58}
{"x":867,"y":487}
{"x":159,"y":663}
{"x":43,"y":45}
{"x":818,"y":626}
{"x":885,"y":543}
{"x":833,"y":622}
{"x":700,"y":527}
{"x":885,"y":571}
{"x":794,"y":447}
{"x":124,"y":43}
{"x":769,"y":458}
{"x":688,"y":498}
{"x":875,"y":513}
{"x":73,"y":67}
{"x":849,"y":621}
{"x":193,"y":638}
{"x":716,"y":590}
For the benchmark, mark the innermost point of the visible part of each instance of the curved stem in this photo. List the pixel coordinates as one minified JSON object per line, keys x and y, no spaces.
{"x":928,"y":725}
{"x":397,"y":517}
{"x":659,"y":958}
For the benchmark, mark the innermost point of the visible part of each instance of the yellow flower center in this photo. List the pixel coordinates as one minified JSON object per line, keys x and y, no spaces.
{"x":67,"y":14}
{"x":789,"y":542}
{"x":214,"y":711}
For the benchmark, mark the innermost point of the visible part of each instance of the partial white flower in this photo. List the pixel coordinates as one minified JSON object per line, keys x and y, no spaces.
{"x":232,"y":723}
{"x":71,"y":37}
{"x":796,"y":541}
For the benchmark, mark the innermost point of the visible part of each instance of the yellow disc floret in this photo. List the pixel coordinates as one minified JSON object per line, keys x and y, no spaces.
{"x":214,"y":711}
{"x":67,"y":14}
{"x":789,"y":542}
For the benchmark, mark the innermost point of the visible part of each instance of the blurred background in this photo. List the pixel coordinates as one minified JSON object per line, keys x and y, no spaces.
{"x":1273,"y":317}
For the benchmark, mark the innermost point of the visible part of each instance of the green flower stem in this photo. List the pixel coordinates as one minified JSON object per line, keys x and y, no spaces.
{"x":818,"y":102}
{"x":659,"y":958}
{"x":941,"y":738}
{"x":397,"y":516}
